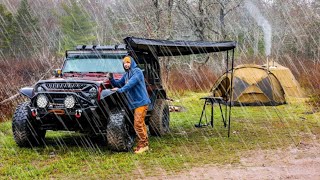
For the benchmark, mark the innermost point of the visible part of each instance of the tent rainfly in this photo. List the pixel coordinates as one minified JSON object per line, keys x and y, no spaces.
{"x":255,"y":85}
{"x":287,"y":80}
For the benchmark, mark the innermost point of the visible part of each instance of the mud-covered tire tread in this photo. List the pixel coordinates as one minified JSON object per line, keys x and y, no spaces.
{"x":160,"y":118}
{"x":25,"y":133}
{"x":118,"y":135}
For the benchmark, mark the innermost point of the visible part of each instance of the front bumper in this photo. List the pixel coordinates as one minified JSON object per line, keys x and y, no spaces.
{"x":55,"y":116}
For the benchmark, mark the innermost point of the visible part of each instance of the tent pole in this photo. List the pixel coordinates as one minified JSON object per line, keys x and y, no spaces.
{"x":231,"y":84}
{"x":226,"y":85}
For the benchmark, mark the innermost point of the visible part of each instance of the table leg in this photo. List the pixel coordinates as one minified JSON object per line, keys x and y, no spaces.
{"x":224,"y":121}
{"x":203,"y":109}
{"x":212,"y":104}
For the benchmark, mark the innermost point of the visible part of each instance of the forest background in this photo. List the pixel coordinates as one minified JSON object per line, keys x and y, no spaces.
{"x":35,"y":34}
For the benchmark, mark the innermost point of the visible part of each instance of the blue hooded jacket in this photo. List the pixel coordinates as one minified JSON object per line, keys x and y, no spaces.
{"x":133,"y":86}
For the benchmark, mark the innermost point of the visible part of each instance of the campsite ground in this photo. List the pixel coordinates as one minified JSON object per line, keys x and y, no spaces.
{"x":265,"y":143}
{"x":299,"y":162}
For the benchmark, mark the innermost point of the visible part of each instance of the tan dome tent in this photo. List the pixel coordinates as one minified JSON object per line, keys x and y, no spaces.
{"x":288,"y":82}
{"x":252,"y":85}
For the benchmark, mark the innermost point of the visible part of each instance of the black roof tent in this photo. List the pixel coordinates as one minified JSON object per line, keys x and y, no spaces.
{"x":177,"y":48}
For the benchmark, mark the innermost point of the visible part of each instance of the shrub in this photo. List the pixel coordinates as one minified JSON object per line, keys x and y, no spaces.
{"x":16,"y":74}
{"x":183,"y":79}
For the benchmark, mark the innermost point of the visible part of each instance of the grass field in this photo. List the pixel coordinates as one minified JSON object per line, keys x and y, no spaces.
{"x":72,"y":155}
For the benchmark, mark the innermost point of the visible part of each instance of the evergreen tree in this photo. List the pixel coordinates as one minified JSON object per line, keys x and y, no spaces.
{"x":77,"y":27}
{"x":6,"y":30}
{"x":25,"y":31}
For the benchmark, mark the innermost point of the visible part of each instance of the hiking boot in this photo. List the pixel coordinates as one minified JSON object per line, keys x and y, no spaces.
{"x":141,"y":149}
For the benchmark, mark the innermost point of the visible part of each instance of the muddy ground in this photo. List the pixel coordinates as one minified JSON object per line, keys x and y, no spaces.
{"x":297,"y":162}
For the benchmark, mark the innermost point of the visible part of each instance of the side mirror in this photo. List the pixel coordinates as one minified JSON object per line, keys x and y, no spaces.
{"x":57,"y":73}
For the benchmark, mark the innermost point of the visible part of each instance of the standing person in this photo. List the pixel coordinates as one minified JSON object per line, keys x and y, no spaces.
{"x":133,"y":86}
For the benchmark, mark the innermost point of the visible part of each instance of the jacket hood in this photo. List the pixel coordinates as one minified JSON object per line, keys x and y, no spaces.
{"x":133,"y":64}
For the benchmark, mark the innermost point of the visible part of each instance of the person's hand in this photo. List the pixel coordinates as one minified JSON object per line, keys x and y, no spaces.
{"x":109,"y":75}
{"x":114,"y":89}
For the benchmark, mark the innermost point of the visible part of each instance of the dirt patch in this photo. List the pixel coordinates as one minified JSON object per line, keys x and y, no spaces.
{"x":299,"y":162}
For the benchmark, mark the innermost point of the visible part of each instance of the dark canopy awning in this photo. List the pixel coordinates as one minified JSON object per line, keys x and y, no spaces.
{"x":177,"y":48}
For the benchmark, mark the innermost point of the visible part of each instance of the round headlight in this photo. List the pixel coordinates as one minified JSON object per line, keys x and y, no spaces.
{"x":93,"y":92}
{"x":42,"y":101}
{"x":40,"y":89}
{"x":69,"y":102}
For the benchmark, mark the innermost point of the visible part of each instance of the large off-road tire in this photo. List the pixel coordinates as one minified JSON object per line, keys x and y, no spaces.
{"x":160,"y":118}
{"x":25,"y":132}
{"x":119,"y":136}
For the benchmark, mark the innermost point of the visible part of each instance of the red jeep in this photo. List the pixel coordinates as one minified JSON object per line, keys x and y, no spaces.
{"x":79,"y":98}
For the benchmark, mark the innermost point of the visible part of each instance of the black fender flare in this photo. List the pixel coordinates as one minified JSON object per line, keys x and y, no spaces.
{"x":106,"y":93}
{"x":157,"y":94}
{"x":113,"y":97}
{"x":161,"y":94}
{"x":27,"y":91}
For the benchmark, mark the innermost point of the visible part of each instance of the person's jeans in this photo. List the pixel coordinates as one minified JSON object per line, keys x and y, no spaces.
{"x":140,"y":125}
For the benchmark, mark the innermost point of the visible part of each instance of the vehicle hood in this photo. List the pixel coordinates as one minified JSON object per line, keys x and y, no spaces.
{"x":71,"y":80}
{"x":94,"y":79}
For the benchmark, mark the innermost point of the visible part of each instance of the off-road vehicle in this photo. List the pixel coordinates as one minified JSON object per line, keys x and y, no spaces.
{"x":79,"y":98}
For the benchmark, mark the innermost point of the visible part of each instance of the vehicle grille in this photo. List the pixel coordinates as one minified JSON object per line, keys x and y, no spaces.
{"x":65,"y":85}
{"x":57,"y":92}
{"x":56,"y":98}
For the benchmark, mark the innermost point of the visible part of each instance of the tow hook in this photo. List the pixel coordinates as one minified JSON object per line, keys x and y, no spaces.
{"x":78,"y":113}
{"x":34,"y":112}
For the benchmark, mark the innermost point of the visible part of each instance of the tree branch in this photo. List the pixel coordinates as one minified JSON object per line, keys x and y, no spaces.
{"x":232,"y":8}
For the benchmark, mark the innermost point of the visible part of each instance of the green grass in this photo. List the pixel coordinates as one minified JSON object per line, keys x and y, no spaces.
{"x":72,"y":155}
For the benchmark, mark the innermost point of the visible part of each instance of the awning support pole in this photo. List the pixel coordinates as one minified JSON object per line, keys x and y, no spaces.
{"x":231,"y":89}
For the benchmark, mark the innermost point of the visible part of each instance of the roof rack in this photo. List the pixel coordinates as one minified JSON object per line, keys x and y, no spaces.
{"x":101,"y":47}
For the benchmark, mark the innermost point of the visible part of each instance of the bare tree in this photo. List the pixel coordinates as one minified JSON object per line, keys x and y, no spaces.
{"x":226,"y":6}
{"x":202,"y":16}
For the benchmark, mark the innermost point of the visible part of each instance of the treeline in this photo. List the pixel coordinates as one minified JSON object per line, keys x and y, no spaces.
{"x":24,"y":33}
{"x":39,"y":32}
{"x":30,"y":28}
{"x":35,"y":34}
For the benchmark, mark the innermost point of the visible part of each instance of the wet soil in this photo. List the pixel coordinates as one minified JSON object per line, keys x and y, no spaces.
{"x":298,"y":162}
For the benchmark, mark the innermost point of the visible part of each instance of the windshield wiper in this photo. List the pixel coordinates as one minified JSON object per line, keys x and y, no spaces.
{"x":71,"y":72}
{"x":97,"y":72}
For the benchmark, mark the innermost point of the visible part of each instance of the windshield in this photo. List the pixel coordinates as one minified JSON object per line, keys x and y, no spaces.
{"x":84,"y":64}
